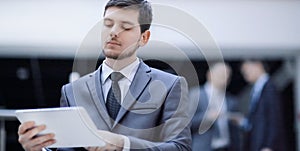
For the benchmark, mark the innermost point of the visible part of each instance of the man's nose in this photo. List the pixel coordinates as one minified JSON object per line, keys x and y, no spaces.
{"x":115,"y":31}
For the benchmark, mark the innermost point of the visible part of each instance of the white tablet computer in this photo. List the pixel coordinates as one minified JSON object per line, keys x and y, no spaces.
{"x":72,"y":126}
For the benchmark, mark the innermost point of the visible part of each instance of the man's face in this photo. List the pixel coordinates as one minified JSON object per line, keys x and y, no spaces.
{"x":220,"y":76}
{"x":251,"y":71}
{"x":120,"y":33}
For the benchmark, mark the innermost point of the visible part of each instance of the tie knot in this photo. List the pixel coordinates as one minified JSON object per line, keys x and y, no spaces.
{"x":116,"y":76}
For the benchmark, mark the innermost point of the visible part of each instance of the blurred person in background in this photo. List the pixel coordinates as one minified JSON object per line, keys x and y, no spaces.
{"x":212,"y":111}
{"x":262,"y":125}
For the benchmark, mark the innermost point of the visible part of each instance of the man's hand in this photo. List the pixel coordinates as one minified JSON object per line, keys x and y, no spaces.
{"x":236,"y":118}
{"x":114,"y":142}
{"x":28,"y":137}
{"x":212,"y":115}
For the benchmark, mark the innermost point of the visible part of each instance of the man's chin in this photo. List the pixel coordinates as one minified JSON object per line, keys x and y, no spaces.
{"x":114,"y":56}
{"x":110,"y":55}
{"x":117,"y":56}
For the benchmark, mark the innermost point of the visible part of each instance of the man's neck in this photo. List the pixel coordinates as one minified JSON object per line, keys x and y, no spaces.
{"x":212,"y":87}
{"x":118,"y":64}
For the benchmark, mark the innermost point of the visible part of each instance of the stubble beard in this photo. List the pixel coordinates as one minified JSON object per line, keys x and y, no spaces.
{"x":125,"y":54}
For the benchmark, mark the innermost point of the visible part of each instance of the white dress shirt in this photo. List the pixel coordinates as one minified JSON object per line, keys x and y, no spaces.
{"x":124,"y":84}
{"x":217,"y":103}
{"x":259,"y":84}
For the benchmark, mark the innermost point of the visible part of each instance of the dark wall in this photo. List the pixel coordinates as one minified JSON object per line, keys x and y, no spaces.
{"x":30,"y":83}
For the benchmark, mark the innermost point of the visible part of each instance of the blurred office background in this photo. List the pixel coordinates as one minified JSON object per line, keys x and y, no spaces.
{"x":39,"y":40}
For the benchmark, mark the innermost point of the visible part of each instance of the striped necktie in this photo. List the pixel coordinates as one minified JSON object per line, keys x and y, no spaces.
{"x":113,"y":101}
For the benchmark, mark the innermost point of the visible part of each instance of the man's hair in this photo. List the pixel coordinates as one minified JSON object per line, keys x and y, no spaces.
{"x":262,"y":61}
{"x":143,"y":6}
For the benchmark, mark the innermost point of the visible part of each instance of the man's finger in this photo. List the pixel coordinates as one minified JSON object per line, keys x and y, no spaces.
{"x":42,"y":139}
{"x":25,"y":126}
{"x":33,"y":132}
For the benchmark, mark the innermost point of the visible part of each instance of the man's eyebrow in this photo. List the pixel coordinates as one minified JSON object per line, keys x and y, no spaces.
{"x":128,"y":22}
{"x":107,"y":19}
{"x":123,"y":22}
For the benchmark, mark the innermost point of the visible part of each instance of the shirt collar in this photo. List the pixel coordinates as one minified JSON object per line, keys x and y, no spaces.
{"x":128,"y":72}
{"x":208,"y":88}
{"x":261,"y":82}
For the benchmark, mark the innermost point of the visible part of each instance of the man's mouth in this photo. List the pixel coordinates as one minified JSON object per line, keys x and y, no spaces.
{"x":113,"y":43}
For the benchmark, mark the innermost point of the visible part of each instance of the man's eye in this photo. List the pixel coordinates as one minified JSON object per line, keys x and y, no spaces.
{"x":127,"y":27}
{"x":108,"y":24}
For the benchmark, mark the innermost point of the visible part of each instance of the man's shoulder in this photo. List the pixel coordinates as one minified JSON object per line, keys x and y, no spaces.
{"x":270,"y":84}
{"x":166,"y":77}
{"x":163,"y":74}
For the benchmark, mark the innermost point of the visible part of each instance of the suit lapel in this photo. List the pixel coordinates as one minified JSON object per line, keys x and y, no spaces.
{"x":96,"y":92}
{"x":255,"y":105}
{"x":140,"y":81}
{"x":255,"y":100}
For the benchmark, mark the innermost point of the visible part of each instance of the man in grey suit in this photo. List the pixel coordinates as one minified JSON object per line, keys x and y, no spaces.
{"x":211,"y":128}
{"x":135,"y":107}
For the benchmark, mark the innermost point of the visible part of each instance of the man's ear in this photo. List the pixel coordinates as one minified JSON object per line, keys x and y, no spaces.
{"x":144,"y":38}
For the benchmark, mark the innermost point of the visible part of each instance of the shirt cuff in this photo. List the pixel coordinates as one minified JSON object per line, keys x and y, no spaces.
{"x":126,"y":146}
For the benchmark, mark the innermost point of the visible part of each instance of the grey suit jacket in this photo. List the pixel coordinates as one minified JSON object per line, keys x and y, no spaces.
{"x":203,"y":141}
{"x":154,"y":114}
